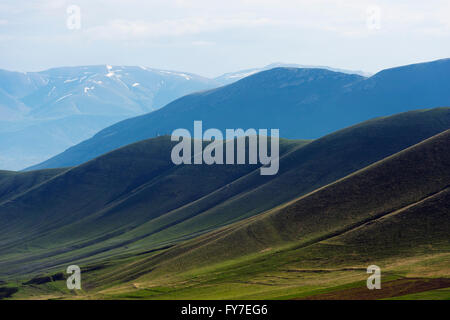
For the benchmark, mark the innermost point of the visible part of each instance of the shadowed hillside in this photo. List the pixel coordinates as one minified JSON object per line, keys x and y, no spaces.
{"x":394,"y":213}
{"x":91,"y":208}
{"x":134,"y":199}
{"x":12,"y":183}
{"x":398,"y":206}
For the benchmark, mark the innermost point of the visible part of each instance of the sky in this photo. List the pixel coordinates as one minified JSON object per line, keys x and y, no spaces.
{"x":210,"y":37}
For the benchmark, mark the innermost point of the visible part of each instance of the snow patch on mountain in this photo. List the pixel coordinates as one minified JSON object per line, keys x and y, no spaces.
{"x":86,"y":89}
{"x":63,"y":97}
{"x":184,"y":75}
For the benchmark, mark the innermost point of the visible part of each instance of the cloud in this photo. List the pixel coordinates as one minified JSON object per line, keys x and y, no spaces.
{"x":239,"y":32}
{"x":136,"y":20}
{"x":342,"y":18}
{"x":128,"y":30}
{"x":202,"y":43}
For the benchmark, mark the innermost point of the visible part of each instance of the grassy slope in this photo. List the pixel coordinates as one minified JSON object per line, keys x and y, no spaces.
{"x":134,"y":200}
{"x":389,"y":185}
{"x":255,"y":245}
{"x":14,"y":183}
{"x":103,"y":199}
{"x":316,"y":164}
{"x":301,"y":171}
{"x":394,"y":213}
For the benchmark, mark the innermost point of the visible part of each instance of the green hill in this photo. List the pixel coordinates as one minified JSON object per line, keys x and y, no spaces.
{"x":14,"y":183}
{"x":399,"y":203}
{"x":394,"y":213}
{"x":128,"y":213}
{"x":96,"y":207}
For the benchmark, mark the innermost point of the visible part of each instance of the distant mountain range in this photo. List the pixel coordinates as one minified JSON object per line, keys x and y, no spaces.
{"x":93,"y":90}
{"x":303,"y":103}
{"x":44,"y":113}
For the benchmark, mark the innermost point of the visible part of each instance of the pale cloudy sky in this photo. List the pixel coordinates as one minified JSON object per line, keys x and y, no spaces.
{"x":210,"y":37}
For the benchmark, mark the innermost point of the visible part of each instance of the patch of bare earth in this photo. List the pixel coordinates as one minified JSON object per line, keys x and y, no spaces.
{"x":388,"y":289}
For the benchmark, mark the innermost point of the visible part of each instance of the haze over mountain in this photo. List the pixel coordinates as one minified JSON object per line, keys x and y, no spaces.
{"x":135,"y":199}
{"x":95,"y":90}
{"x":302,"y":103}
{"x":231,"y":77}
{"x":43,"y":113}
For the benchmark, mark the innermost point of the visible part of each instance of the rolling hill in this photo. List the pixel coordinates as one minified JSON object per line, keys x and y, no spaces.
{"x":302,"y":103}
{"x":394,"y":213}
{"x":14,"y":183}
{"x":399,"y":205}
{"x":134,"y":200}
{"x":98,"y":192}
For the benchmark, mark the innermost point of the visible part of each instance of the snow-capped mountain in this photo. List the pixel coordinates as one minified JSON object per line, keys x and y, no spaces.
{"x":100,"y":90}
{"x":43,"y":113}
